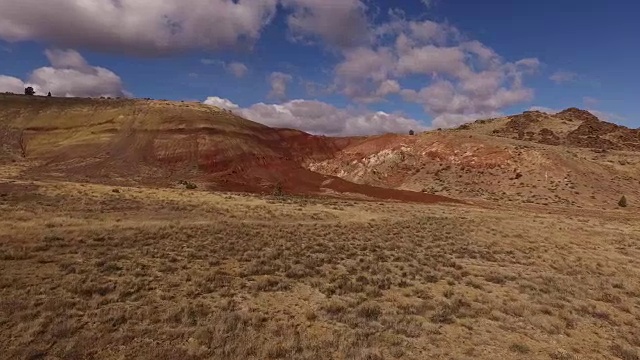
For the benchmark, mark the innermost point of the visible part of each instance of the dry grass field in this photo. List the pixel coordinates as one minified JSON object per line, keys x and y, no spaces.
{"x":93,"y":271}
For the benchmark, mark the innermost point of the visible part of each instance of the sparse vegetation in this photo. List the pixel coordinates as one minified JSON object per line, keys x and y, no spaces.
{"x":22,"y":144}
{"x":196,"y":274}
{"x":520,"y":348}
{"x":622,"y":202}
{"x":134,"y":266}
{"x":188,"y":185}
{"x":278,"y":190}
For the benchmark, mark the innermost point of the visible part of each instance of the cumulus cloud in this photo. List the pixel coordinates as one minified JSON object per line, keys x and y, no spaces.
{"x":221,"y":103}
{"x":563,"y":77}
{"x":69,"y":75}
{"x":237,"y":69}
{"x":315,"y":89}
{"x":279,"y":82}
{"x":462,"y":79}
{"x":317,"y":117}
{"x":364,"y":71}
{"x":433,"y":60}
{"x":160,"y":27}
{"x":388,"y":87}
{"x":67,"y":59}
{"x":11,"y":84}
{"x":339,"y":23}
{"x":134,"y":26}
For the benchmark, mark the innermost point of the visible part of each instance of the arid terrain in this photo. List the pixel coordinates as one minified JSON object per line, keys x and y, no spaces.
{"x":571,"y":158}
{"x":134,"y":229}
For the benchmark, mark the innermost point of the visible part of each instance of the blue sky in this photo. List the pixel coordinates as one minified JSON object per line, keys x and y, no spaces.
{"x":333,"y":66}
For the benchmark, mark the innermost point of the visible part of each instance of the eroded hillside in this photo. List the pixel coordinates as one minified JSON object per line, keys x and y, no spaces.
{"x":571,"y":158}
{"x":125,"y":141}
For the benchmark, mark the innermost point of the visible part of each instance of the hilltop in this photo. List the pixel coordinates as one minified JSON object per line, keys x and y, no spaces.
{"x":571,"y":127}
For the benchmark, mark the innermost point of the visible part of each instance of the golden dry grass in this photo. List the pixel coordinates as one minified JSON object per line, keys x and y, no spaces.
{"x":87,"y":271}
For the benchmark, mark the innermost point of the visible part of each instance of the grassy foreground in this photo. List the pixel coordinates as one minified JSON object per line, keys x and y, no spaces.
{"x":87,"y":271}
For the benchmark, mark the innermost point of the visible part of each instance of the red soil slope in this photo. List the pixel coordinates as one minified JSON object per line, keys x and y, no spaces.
{"x":159,"y":142}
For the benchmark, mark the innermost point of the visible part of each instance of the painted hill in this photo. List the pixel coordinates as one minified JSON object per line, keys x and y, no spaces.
{"x":161,"y":142}
{"x":569,"y":158}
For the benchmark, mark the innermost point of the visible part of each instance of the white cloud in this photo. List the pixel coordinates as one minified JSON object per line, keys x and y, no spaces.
{"x":68,"y":76}
{"x":363,"y":72}
{"x":428,"y":32}
{"x":482,"y":84}
{"x":388,"y":87}
{"x":563,"y":77}
{"x":317,"y":117}
{"x":238,"y":69}
{"x":431,"y":59}
{"x":315,"y":89}
{"x":279,"y":82}
{"x":339,"y":23}
{"x":67,"y":59}
{"x":487,"y":55}
{"x":221,"y":103}
{"x":461,"y":79}
{"x":11,"y":84}
{"x":136,"y":26}
{"x":479,"y":96}
{"x":72,"y":82}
